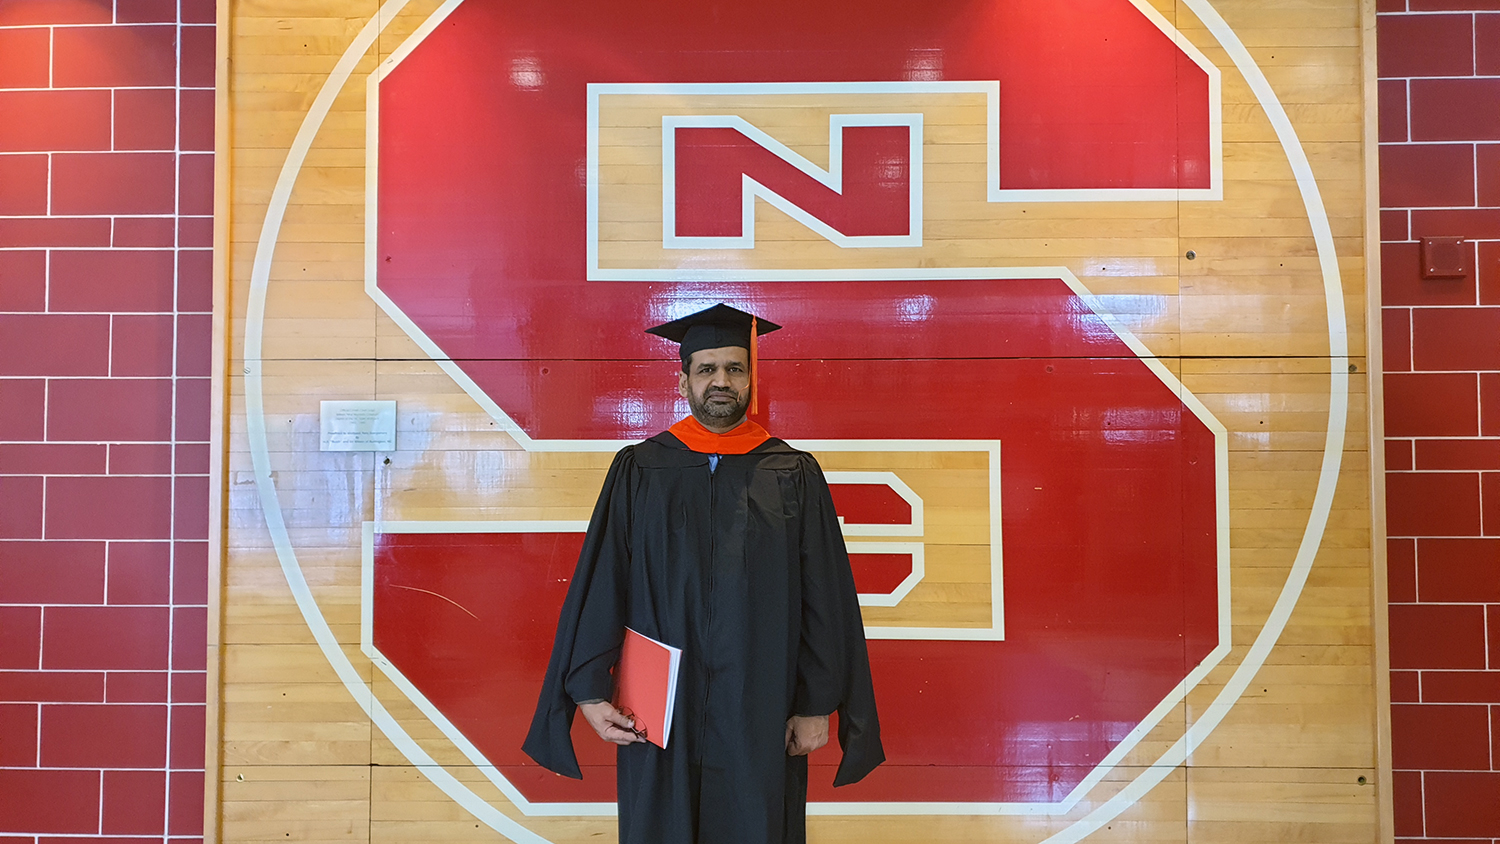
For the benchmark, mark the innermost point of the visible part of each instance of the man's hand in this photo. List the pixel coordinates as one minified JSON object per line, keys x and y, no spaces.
{"x":612,"y":725}
{"x":804,"y":734}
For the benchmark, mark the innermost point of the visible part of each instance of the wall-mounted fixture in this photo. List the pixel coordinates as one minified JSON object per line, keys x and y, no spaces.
{"x":1444,"y":257}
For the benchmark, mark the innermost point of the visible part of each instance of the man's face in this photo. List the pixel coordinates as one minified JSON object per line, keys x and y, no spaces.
{"x":717,"y":386}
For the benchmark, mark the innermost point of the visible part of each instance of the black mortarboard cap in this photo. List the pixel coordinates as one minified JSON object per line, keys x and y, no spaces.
{"x":713,"y":328}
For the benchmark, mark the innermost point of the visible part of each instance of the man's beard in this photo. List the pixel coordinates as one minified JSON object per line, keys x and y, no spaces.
{"x":720,"y":414}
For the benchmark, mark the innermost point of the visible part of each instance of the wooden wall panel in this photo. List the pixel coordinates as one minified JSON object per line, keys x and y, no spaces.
{"x":1244,"y":325}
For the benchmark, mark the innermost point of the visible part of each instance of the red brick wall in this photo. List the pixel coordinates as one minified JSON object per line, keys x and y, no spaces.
{"x":106,"y":188}
{"x":1439,"y":66}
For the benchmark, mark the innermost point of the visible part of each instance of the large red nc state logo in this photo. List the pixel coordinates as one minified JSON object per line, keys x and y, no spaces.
{"x":502,"y":250}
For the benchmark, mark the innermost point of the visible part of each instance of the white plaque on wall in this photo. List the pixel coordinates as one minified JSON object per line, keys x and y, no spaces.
{"x":358,"y":426}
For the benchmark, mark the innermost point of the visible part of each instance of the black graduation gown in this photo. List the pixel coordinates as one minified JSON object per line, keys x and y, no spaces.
{"x":744,"y":569}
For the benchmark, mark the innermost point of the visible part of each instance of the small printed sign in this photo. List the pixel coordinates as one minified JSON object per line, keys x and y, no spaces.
{"x":358,"y":426}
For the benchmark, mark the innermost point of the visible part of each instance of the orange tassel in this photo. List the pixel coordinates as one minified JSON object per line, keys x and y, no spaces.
{"x":754,"y":371}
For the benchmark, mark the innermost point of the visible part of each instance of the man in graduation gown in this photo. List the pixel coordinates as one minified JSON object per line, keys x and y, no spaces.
{"x":716,"y":538}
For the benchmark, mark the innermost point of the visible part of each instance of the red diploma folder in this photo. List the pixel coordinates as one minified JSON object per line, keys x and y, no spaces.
{"x":646,"y":685}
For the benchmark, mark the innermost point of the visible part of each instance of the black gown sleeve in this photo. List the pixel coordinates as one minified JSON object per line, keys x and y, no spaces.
{"x":833,"y":664}
{"x":590,"y":627}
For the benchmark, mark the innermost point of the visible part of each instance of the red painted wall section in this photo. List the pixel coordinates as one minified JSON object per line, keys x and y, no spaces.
{"x":106,"y":154}
{"x":1439,"y":67}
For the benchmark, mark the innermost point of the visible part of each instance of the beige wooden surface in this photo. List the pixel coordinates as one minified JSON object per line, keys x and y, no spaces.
{"x":1380,"y":621}
{"x":1244,"y":326}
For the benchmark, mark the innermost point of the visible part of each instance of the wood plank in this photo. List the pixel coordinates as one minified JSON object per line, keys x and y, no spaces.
{"x":1243,"y":325}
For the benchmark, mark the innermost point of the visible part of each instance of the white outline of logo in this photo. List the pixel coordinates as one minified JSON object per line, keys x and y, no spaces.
{"x":993,"y":191}
{"x":1151,"y":776}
